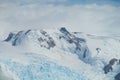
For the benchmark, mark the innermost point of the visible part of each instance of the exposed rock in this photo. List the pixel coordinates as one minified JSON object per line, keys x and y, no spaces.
{"x":107,"y":68}
{"x":27,"y":32}
{"x":64,"y":30}
{"x":112,"y":61}
{"x":117,"y":77}
{"x":10,"y":36}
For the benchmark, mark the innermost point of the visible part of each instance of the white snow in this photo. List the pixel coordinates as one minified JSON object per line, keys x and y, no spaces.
{"x":29,"y":61}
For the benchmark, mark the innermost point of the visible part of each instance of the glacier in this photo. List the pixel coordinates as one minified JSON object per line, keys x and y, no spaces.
{"x":57,"y":55}
{"x":43,"y":71}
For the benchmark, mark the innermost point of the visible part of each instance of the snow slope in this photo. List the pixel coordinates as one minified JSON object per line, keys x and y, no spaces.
{"x":57,"y":55}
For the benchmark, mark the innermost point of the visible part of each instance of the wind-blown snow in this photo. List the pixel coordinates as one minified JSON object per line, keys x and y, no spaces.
{"x":57,"y":55}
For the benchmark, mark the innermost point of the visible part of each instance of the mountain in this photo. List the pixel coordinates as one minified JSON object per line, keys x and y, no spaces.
{"x":57,"y":55}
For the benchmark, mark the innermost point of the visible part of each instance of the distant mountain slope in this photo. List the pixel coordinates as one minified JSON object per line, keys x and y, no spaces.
{"x":58,"y":55}
{"x":61,"y":39}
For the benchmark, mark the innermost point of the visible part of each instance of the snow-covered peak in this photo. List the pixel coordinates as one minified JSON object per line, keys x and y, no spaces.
{"x":72,"y":42}
{"x":60,"y":52}
{"x":51,"y":39}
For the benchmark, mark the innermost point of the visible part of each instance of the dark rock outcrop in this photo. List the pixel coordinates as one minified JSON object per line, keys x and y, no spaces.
{"x":112,"y":61}
{"x":107,"y":68}
{"x":117,"y":77}
{"x":64,"y":30}
{"x":10,"y":36}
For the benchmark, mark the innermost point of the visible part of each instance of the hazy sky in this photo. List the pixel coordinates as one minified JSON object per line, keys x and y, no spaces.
{"x":89,"y":16}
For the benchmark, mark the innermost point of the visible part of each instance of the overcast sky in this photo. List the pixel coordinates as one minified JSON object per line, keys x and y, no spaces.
{"x":89,"y":16}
